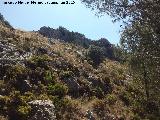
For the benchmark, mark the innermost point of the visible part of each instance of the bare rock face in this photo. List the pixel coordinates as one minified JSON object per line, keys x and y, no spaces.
{"x":9,"y":53}
{"x":42,"y":110}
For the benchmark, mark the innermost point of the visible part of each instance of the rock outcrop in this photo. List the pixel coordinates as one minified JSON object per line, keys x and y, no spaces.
{"x":42,"y":110}
{"x":9,"y":53}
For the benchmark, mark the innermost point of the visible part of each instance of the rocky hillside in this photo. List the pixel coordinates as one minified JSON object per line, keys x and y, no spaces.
{"x":49,"y":79}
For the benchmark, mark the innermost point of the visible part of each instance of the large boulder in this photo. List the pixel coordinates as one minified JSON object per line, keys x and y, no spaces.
{"x":42,"y":110}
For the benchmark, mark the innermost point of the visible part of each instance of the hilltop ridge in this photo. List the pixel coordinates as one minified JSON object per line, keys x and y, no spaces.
{"x":76,"y":38}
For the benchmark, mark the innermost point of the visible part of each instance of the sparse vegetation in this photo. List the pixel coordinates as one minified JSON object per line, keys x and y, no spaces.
{"x":76,"y":79}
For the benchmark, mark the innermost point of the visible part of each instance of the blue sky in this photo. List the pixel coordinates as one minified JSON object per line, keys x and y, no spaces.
{"x":75,"y":17}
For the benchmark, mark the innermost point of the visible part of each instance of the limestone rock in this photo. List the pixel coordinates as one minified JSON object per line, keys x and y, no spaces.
{"x":42,"y":110}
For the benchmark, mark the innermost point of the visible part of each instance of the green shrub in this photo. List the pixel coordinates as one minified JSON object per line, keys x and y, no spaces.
{"x":41,"y":58}
{"x":14,"y":109}
{"x":58,"y":102}
{"x":43,"y":96}
{"x":40,"y":61}
{"x":111,"y":99}
{"x":14,"y":78}
{"x":29,"y":96}
{"x":66,"y":109}
{"x":48,"y":76}
{"x":66,"y":74}
{"x":58,"y":89}
{"x":15,"y":98}
{"x":96,"y":55}
{"x":23,"y":111}
{"x":15,"y":72}
{"x":3,"y":104}
{"x":98,"y":92}
{"x":125,"y":97}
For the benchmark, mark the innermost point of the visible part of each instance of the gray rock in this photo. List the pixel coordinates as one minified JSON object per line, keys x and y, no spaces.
{"x":26,"y":86}
{"x":72,"y":84}
{"x":42,"y":110}
{"x":9,"y":53}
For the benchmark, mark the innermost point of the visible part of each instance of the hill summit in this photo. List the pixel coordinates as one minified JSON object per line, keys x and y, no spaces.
{"x":76,"y":38}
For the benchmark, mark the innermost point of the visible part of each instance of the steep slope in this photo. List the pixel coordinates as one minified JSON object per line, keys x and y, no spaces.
{"x":34,"y":69}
